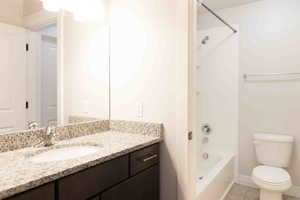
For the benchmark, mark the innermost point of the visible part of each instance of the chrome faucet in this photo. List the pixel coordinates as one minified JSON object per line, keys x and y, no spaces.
{"x":50,"y":134}
{"x":32,"y":125}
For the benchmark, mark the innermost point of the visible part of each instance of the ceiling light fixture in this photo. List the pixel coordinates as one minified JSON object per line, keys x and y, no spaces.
{"x":81,"y":10}
{"x":51,"y":5}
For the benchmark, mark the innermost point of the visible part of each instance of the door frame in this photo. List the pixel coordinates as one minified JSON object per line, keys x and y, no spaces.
{"x":192,"y":97}
{"x":185,"y":100}
{"x":41,"y":20}
{"x":44,"y":40}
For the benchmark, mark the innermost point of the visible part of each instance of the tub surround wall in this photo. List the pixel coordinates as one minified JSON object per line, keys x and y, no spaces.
{"x":18,"y":140}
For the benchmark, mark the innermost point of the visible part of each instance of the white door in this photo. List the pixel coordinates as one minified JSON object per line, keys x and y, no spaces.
{"x":13,"y":77}
{"x":34,"y":84}
{"x":49,"y":80}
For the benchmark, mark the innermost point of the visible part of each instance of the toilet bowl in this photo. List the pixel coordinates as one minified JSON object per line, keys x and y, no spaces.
{"x":273,"y":153}
{"x":272,"y":182}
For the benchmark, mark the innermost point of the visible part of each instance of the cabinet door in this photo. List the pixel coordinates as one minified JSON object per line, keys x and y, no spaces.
{"x":46,"y":192}
{"x":90,"y":182}
{"x":143,"y":186}
{"x":95,"y":198}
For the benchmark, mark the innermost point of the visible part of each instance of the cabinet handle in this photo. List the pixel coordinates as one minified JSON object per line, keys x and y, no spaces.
{"x":150,"y":158}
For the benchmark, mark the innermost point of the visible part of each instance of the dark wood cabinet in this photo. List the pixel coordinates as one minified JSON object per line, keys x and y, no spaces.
{"x":92,"y":181}
{"x":46,"y":192}
{"x":134,"y":176}
{"x":95,"y":198}
{"x":143,"y":186}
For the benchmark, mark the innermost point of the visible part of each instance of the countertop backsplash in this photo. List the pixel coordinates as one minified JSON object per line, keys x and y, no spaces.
{"x":17,"y":140}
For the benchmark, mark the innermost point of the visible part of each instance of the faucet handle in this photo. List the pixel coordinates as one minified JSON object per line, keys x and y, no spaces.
{"x":51,"y":130}
{"x":32,"y":125}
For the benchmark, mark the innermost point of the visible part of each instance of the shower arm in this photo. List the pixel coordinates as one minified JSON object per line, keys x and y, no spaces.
{"x":217,"y":16}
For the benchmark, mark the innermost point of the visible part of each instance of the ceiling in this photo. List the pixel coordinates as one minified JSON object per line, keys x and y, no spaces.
{"x":220,"y":4}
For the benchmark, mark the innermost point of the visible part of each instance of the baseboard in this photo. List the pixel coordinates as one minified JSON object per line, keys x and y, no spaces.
{"x":245,"y":180}
{"x":294,"y":191}
{"x":227,"y":191}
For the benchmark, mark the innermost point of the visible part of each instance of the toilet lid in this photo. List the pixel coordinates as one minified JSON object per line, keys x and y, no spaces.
{"x":271,"y":175}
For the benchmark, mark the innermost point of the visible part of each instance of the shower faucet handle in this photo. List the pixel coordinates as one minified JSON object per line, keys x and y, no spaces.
{"x":206,"y":129}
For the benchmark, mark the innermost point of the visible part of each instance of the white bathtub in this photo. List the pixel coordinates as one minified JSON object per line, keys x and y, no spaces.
{"x":215,"y":176}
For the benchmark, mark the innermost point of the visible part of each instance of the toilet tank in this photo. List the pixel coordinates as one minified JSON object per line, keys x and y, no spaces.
{"x":273,"y":150}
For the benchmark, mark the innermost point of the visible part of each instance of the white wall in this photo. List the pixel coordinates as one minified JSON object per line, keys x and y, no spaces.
{"x":144,"y":57}
{"x":85,"y":68}
{"x":11,"y":12}
{"x":269,"y":43}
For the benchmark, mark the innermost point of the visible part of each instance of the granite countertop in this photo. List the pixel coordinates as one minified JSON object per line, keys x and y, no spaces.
{"x":19,"y":174}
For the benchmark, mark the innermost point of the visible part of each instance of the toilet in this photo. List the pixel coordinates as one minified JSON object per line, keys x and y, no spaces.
{"x":273,"y":154}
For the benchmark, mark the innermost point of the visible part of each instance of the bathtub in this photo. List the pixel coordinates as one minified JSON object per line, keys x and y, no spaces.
{"x":215,"y":176}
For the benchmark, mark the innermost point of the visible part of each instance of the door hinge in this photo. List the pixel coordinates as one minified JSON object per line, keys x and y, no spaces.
{"x":27,"y":105}
{"x":190,"y":135}
{"x":27,"y":47}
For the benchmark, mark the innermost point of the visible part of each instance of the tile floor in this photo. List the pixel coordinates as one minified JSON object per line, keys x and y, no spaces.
{"x":239,"y":192}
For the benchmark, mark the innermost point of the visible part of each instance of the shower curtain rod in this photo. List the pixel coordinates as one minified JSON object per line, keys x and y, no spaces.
{"x":217,"y":16}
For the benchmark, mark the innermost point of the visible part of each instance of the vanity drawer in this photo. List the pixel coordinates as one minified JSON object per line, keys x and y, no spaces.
{"x":143,"y":159}
{"x":46,"y":192}
{"x":92,"y":181}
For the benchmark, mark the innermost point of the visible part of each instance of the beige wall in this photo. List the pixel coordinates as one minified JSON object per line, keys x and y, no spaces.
{"x":269,"y":43}
{"x":143,"y":71}
{"x":11,"y":12}
{"x":32,"y":6}
{"x":86,"y":68}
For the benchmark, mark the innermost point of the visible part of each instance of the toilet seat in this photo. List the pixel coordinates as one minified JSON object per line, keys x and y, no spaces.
{"x":271,"y":178}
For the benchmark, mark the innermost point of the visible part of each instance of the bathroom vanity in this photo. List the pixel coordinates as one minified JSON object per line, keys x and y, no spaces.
{"x":89,"y":161}
{"x":134,"y":176}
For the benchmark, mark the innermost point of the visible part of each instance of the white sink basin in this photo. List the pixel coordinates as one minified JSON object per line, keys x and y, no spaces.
{"x":64,"y":153}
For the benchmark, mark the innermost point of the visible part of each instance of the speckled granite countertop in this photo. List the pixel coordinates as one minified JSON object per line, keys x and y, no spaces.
{"x":18,"y":173}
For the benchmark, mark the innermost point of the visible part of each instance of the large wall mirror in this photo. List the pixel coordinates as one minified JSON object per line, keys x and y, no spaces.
{"x":54,"y":67}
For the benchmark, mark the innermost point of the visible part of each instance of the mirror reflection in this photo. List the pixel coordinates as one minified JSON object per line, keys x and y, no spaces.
{"x":54,"y":67}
